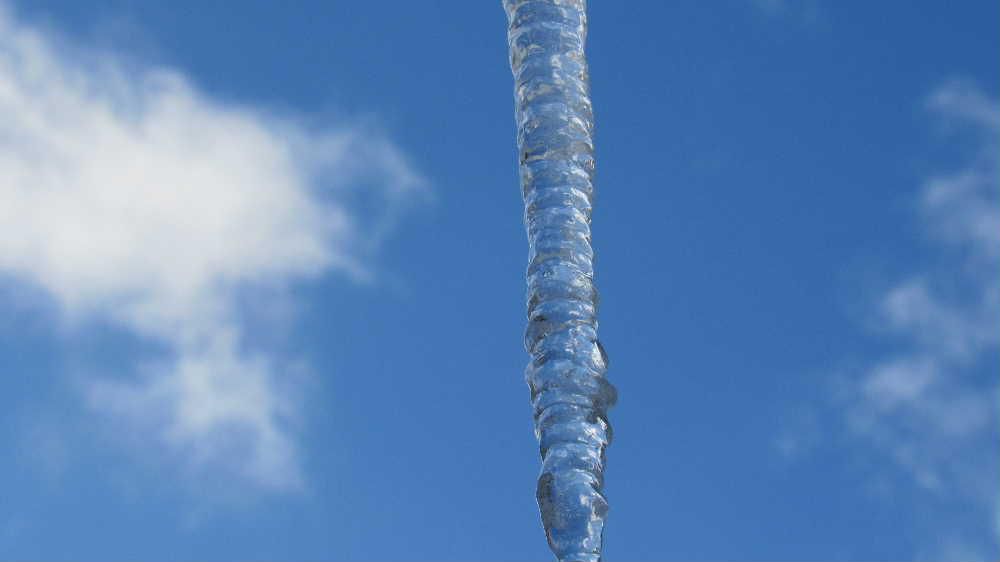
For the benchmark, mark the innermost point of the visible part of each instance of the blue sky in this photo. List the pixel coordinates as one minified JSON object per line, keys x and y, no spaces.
{"x":262,"y":279}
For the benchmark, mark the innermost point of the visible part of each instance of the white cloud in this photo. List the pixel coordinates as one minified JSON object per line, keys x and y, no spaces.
{"x":130,"y":197}
{"x":934,"y":407}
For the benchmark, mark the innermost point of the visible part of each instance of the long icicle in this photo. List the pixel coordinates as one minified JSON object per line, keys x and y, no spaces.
{"x":569,"y":392}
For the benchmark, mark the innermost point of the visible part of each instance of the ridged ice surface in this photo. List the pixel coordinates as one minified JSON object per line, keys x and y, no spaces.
{"x":569,"y":392}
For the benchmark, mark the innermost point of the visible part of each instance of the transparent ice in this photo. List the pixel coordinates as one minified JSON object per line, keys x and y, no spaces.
{"x":569,"y":392}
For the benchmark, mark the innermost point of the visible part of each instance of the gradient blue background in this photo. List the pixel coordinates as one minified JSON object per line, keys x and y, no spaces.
{"x":755,"y":166}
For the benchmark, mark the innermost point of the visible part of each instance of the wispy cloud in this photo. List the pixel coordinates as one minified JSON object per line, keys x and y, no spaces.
{"x":934,"y":407}
{"x":129,"y":197}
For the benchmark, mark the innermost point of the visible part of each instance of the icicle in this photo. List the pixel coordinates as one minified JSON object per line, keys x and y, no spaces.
{"x":569,"y":392}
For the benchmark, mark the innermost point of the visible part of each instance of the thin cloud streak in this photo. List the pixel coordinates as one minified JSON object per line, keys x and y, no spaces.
{"x":934,"y":407}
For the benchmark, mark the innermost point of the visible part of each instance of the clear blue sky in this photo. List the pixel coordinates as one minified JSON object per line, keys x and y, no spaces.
{"x":797,"y":257}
